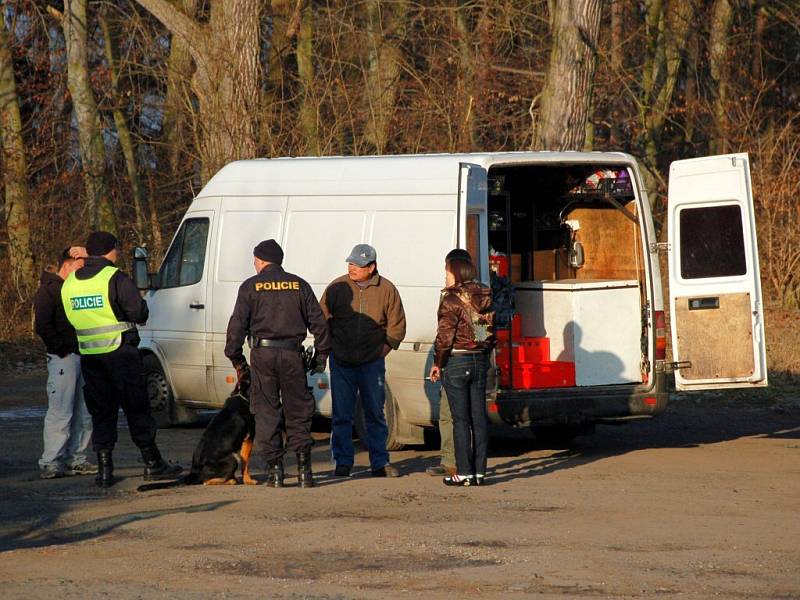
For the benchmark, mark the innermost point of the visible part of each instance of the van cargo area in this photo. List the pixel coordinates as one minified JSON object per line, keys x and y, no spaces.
{"x":568,"y":276}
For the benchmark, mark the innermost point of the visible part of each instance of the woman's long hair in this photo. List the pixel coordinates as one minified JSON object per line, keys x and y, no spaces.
{"x":462,"y":270}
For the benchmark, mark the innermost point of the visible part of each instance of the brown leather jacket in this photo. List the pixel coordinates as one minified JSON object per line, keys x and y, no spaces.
{"x":466,"y":321}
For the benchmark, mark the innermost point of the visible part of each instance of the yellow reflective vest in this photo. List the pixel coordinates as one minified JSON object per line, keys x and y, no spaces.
{"x":86,"y":303}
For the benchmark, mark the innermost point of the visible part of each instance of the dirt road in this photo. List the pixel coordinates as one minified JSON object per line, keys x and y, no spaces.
{"x":702,"y":502}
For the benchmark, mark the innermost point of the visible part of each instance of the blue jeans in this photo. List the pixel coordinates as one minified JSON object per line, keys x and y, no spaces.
{"x":67,"y":424}
{"x":464,"y":380}
{"x":347,"y":383}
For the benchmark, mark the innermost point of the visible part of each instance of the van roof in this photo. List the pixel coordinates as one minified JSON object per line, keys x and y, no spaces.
{"x":374,"y":175}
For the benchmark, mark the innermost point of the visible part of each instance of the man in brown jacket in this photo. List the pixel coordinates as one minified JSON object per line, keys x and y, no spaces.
{"x":366,"y":320}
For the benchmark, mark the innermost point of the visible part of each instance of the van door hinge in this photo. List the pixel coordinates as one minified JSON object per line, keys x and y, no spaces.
{"x":656,"y":247}
{"x":676,"y":366}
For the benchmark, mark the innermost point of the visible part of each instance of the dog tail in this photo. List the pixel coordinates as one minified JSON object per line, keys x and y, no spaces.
{"x":188,"y":479}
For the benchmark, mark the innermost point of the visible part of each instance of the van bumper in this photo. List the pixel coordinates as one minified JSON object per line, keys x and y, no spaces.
{"x":522,"y":408}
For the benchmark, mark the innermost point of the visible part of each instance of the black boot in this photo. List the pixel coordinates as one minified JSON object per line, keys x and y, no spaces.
{"x":304,"y":475}
{"x":275,"y":473}
{"x":105,"y":470}
{"x":156,"y":468}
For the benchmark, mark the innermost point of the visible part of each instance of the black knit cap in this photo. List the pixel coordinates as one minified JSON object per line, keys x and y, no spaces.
{"x":458,"y":254}
{"x":270,"y":251}
{"x":100,"y":242}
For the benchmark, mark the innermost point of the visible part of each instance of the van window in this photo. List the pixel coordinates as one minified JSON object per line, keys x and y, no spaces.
{"x":241,"y":232}
{"x":712,"y":242}
{"x":187,"y":255}
{"x":412,"y":245}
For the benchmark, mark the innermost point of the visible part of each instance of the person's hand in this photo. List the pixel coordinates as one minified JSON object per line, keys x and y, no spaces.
{"x":435,"y":374}
{"x":78,"y":252}
{"x":319,"y":365}
{"x":386,"y":349}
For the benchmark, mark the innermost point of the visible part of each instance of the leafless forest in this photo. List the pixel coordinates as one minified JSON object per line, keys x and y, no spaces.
{"x":115,"y":112}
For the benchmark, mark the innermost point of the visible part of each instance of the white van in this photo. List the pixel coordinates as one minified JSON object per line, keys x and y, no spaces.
{"x":569,"y":234}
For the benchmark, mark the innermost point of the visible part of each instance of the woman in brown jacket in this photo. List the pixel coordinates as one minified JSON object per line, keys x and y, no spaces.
{"x":463,"y":339}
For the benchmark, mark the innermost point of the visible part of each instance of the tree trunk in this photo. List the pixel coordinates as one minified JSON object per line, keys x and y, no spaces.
{"x":177,"y":103}
{"x":227,"y":76}
{"x":308,"y":116}
{"x":90,"y":131}
{"x":15,"y":176}
{"x":121,"y":124}
{"x":385,"y":27}
{"x":566,"y":97}
{"x":721,"y":21}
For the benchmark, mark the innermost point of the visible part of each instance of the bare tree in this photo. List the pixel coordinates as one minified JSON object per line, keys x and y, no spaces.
{"x":90,"y":131}
{"x":721,"y":20}
{"x":566,"y":98}
{"x":227,"y":75}
{"x":15,"y":176}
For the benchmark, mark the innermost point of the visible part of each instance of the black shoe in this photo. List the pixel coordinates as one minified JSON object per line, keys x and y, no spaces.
{"x":458,"y":480}
{"x":342,"y":470}
{"x":156,"y":468}
{"x":105,"y":470}
{"x":275,"y":473}
{"x":305,"y":478}
{"x":386,"y":471}
{"x":480,"y":479}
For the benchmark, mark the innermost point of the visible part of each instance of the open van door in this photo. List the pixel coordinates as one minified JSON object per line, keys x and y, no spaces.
{"x":473,"y":229}
{"x":714,"y":283}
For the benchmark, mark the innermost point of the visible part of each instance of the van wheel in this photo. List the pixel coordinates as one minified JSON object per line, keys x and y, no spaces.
{"x":159,"y":393}
{"x":390,"y":411}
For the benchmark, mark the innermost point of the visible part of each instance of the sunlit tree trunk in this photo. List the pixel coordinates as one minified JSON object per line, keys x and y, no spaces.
{"x":227,"y":76}
{"x":566,"y":98}
{"x":721,"y":21}
{"x":15,"y":176}
{"x":100,"y":213}
{"x":308,"y":115}
{"x":385,"y":29}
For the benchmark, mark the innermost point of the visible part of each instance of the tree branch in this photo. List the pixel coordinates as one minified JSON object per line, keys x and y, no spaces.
{"x":178,"y":23}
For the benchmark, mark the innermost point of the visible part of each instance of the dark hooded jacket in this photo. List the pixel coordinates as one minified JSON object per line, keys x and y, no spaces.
{"x":50,"y":320}
{"x":466,"y":321}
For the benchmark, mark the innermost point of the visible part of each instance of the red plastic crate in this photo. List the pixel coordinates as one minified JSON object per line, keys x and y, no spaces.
{"x":533,"y":349}
{"x":539,"y":375}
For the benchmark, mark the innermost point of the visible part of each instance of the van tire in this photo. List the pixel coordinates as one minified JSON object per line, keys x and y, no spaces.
{"x":390,"y":412}
{"x":159,"y":394}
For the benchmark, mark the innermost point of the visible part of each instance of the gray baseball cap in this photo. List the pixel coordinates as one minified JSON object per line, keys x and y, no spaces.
{"x":362,"y":255}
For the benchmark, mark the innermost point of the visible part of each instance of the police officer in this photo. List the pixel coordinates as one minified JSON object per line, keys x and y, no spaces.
{"x":275,"y":309}
{"x":104,"y":306}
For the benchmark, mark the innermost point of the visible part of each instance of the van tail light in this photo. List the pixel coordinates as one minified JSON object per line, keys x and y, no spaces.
{"x":661,"y":336}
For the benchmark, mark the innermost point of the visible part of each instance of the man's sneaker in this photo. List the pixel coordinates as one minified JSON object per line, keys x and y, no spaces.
{"x":342,"y":470}
{"x":386,"y":471}
{"x":51,"y":472}
{"x":84,"y":468}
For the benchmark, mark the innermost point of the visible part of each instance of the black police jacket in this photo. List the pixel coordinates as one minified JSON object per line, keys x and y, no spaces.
{"x":276,"y":305}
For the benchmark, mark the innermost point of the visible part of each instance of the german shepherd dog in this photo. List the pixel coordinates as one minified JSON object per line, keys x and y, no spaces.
{"x":226,"y":443}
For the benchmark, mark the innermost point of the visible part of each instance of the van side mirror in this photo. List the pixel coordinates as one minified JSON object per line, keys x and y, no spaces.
{"x":140,"y":276}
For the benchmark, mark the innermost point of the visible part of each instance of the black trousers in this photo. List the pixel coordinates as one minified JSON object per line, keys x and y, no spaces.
{"x":281,"y":402}
{"x":112,"y":381}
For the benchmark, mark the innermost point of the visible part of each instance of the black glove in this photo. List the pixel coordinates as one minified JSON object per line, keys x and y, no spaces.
{"x":319,"y":364}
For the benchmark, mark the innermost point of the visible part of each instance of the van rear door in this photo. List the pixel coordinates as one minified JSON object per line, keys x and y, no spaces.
{"x":714,"y":284}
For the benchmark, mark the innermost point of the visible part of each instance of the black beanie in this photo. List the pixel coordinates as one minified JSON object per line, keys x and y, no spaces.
{"x":270,"y":251}
{"x":100,"y":242}
{"x":458,"y":254}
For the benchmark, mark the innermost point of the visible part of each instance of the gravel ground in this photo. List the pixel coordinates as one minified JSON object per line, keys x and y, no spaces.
{"x":701,"y":502}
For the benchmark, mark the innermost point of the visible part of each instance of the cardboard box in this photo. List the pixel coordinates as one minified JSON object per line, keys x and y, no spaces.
{"x":550,"y":265}
{"x":516,"y":268}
